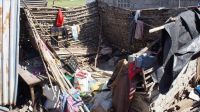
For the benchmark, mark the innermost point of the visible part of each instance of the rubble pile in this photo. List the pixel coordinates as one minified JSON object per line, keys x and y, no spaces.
{"x":70,"y":63}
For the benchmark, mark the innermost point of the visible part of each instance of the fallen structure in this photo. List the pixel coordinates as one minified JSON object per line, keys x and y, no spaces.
{"x":102,"y":58}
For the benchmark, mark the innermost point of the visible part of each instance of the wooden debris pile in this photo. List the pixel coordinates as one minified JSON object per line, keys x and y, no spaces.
{"x":62,"y":54}
{"x":41,"y":21}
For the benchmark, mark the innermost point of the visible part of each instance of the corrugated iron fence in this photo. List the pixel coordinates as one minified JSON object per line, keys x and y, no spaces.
{"x":9,"y":39}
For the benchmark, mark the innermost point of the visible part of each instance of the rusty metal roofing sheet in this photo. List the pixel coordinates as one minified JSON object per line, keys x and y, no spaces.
{"x":9,"y":39}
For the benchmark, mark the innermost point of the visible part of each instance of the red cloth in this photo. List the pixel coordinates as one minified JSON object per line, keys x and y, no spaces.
{"x":60,"y":19}
{"x":132,"y":71}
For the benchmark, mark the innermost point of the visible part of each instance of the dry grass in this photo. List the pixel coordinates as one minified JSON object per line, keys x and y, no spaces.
{"x":66,"y":3}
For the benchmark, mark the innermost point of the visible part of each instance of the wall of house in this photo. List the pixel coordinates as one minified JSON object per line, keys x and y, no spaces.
{"x":117,"y":24}
{"x":87,"y":17}
{"x":143,"y":4}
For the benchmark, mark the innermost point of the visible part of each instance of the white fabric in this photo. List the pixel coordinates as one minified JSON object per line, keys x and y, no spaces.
{"x":137,"y":15}
{"x":75,"y":32}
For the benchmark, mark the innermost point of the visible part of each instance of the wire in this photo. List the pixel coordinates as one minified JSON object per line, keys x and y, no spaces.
{"x":149,"y":25}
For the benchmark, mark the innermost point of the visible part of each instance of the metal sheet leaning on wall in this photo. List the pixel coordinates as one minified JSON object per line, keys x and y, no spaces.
{"x":9,"y":41}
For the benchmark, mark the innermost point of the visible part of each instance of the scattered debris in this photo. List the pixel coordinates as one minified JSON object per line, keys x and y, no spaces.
{"x":194,"y":96}
{"x":102,"y":102}
{"x":52,"y":95}
{"x":68,"y":64}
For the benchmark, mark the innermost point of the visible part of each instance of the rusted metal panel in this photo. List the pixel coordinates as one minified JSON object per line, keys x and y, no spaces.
{"x":9,"y":39}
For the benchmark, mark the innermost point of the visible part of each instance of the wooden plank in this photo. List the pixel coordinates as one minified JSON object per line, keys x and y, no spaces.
{"x":28,"y":77}
{"x":198,"y":70}
{"x":32,"y":94}
{"x":78,"y":51}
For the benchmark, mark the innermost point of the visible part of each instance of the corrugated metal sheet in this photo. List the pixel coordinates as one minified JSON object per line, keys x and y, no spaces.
{"x":9,"y":40}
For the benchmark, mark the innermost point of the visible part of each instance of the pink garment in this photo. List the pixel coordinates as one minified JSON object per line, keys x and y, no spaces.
{"x":72,"y":105}
{"x":139,"y":31}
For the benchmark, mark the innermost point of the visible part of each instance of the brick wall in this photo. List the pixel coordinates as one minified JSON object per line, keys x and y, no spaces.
{"x":143,"y":4}
{"x":117,"y":25}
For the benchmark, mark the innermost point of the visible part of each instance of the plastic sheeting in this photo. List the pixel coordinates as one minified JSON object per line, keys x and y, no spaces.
{"x":180,"y":44}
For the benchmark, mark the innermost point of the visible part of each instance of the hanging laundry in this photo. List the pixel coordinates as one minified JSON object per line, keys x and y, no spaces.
{"x":59,"y":19}
{"x":134,"y":26}
{"x":137,"y":15}
{"x":75,"y":31}
{"x":139,"y":30}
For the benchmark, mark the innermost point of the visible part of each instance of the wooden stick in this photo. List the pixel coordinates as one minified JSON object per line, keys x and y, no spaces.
{"x":172,"y":19}
{"x":96,"y":58}
{"x":146,"y":48}
{"x":156,"y":29}
{"x":46,"y":69}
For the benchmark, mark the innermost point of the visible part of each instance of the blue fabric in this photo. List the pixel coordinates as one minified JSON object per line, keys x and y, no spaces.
{"x":63,"y":99}
{"x":197,"y":90}
{"x":146,"y":62}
